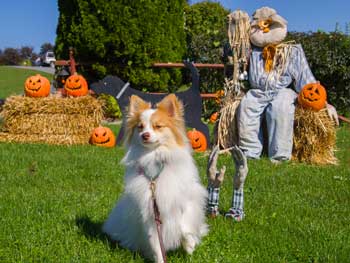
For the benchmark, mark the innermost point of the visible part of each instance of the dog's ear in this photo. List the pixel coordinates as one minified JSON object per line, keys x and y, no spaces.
{"x":137,"y":105}
{"x":171,"y":105}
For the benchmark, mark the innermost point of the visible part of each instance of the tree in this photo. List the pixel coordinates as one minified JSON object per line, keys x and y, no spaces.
{"x":11,"y":56}
{"x":46,"y":47}
{"x":26,"y":52}
{"x":124,"y":38}
{"x":206,"y":34}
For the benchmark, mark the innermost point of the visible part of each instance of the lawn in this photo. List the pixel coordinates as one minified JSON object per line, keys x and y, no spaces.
{"x":12,"y":80}
{"x":54,"y":199}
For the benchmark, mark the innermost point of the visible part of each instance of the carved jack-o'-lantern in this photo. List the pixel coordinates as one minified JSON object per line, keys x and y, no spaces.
{"x":76,"y":85}
{"x":103,"y":136}
{"x":198,"y":140}
{"x":313,"y":96}
{"x":37,"y":86}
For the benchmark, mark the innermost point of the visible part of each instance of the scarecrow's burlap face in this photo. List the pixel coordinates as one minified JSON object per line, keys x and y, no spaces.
{"x":267,"y":27}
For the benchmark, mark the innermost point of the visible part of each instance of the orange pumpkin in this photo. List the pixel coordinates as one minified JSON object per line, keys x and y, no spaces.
{"x":102,"y":136}
{"x":213,"y":118}
{"x":313,"y":96}
{"x":37,"y":86}
{"x":198,"y":140}
{"x":76,"y":86}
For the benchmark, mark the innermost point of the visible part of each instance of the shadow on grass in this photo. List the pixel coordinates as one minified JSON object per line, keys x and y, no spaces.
{"x":93,"y":231}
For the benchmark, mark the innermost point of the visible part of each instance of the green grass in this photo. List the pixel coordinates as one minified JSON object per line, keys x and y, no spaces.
{"x":54,"y":199}
{"x":12,"y":80}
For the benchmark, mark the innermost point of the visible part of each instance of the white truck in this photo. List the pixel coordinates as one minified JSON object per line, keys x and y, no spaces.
{"x":49,"y":59}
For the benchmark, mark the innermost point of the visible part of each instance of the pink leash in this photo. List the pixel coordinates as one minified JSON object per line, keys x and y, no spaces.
{"x":156,"y":211}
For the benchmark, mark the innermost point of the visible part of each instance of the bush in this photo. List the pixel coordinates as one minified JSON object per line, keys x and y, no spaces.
{"x":111,"y":107}
{"x":206,"y":33}
{"x":124,"y":38}
{"x":329,"y":57}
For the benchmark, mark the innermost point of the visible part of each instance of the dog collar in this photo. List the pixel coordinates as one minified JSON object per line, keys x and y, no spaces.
{"x":142,"y":171}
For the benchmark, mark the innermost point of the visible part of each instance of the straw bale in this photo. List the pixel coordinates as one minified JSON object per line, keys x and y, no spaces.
{"x":314,"y":137}
{"x":53,"y":119}
{"x":64,"y":139}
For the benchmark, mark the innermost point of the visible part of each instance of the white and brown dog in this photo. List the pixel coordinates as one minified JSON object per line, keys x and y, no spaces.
{"x":160,"y":168}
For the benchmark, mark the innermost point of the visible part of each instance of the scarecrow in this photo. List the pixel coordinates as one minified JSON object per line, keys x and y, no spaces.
{"x":277,"y":72}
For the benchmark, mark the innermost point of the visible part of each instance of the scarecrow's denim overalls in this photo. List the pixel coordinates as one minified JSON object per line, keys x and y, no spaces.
{"x":271,"y":95}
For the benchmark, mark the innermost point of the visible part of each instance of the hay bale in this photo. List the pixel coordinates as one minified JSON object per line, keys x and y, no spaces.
{"x":52,"y":120}
{"x":314,"y":137}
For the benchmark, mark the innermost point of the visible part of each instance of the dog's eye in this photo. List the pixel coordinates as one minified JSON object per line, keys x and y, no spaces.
{"x":140,"y":126}
{"x":158,"y":126}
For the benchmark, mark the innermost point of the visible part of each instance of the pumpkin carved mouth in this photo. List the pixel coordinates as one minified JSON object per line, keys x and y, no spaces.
{"x":74,"y":88}
{"x":34,"y":89}
{"x":104,"y":142}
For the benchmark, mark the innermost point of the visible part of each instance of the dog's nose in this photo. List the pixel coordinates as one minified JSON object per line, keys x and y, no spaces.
{"x":145,"y":136}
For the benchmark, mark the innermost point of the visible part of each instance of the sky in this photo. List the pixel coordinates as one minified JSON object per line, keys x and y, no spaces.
{"x":33,"y":22}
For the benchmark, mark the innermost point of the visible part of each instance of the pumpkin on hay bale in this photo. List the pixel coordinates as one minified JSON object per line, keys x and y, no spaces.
{"x":313,"y":96}
{"x":52,"y":120}
{"x":314,"y":137}
{"x":37,"y":86}
{"x":76,"y":86}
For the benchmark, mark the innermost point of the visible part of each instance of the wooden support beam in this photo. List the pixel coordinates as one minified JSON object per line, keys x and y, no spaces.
{"x":182,"y":65}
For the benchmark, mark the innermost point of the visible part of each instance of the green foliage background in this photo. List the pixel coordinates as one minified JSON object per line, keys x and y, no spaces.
{"x":206,"y":33}
{"x":124,"y":38}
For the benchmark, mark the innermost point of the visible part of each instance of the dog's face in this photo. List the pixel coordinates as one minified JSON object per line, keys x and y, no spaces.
{"x":152,"y":128}
{"x":267,"y":27}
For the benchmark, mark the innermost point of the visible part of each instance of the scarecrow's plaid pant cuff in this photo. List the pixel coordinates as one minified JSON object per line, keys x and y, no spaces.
{"x":213,"y":201}
{"x":238,"y":199}
{"x":235,"y":214}
{"x":236,"y":211}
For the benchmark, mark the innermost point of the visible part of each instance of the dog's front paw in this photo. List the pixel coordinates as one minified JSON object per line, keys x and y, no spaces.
{"x":189,"y":243}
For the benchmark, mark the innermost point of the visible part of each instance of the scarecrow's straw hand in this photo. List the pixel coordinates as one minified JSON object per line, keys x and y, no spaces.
{"x":215,"y":177}
{"x":241,"y":166}
{"x":332,"y":113}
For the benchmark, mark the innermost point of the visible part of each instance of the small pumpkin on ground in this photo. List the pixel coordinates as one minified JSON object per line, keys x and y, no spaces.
{"x":37,"y":86}
{"x":103,"y":136}
{"x":197,"y":140}
{"x":76,"y":86}
{"x":313,"y":96}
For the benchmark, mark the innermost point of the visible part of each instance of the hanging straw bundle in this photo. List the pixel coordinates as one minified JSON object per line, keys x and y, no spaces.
{"x":238,"y":34}
{"x":52,"y":120}
{"x":314,"y":137}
